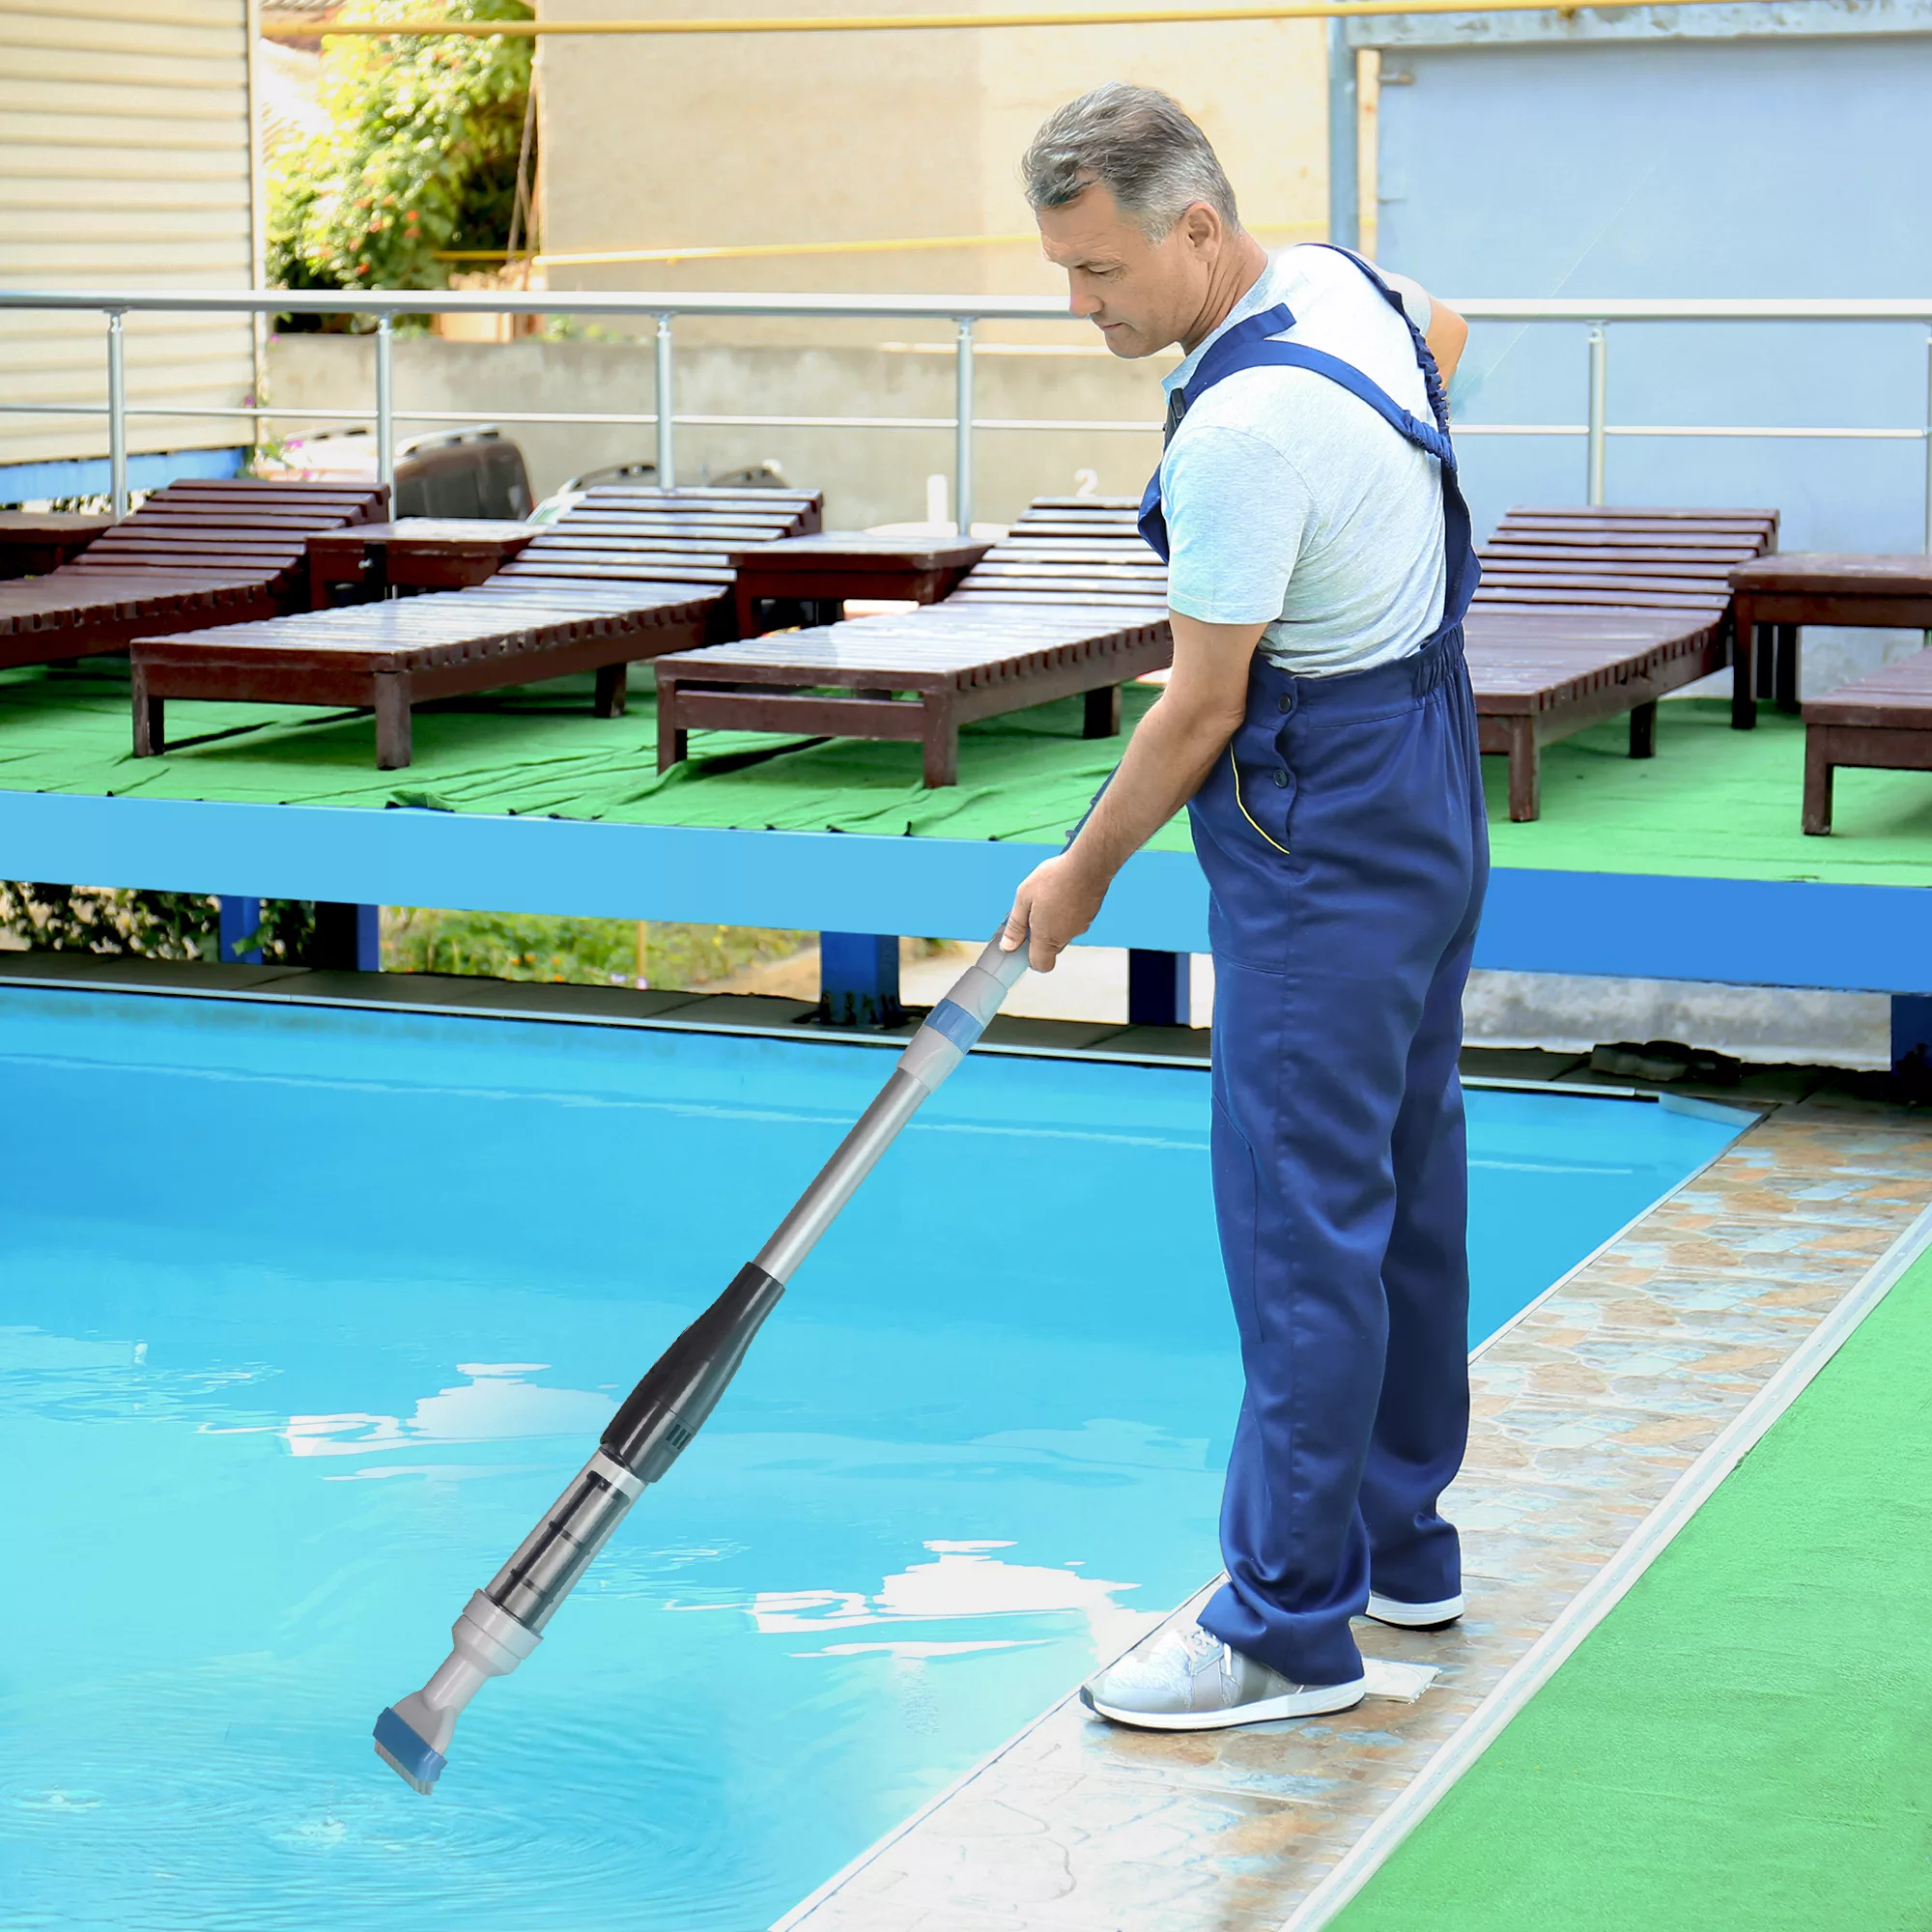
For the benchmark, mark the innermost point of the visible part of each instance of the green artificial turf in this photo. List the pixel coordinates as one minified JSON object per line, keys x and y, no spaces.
{"x":1713,"y":803}
{"x":1744,"y":1742}
{"x":538,"y":749}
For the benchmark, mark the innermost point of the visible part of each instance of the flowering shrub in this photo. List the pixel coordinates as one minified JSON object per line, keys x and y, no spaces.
{"x":420,"y":154}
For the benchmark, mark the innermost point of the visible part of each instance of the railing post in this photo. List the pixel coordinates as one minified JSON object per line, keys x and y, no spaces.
{"x":665,"y":407}
{"x":1599,"y":356}
{"x":962,"y":433}
{"x":1345,"y":195}
{"x":117,"y":416}
{"x":386,"y":406}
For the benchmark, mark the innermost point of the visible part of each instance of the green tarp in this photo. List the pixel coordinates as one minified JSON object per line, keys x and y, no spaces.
{"x":1713,"y":803}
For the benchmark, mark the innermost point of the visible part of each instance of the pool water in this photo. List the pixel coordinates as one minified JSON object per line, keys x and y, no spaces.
{"x":306,"y":1315}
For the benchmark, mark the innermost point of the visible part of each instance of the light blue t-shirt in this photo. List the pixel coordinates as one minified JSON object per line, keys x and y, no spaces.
{"x":1290,"y":500}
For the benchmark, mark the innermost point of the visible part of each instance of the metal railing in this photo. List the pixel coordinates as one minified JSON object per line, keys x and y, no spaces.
{"x":964,"y":312}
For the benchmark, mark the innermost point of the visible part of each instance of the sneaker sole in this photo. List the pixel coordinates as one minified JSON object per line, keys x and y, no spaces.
{"x":1314,"y":1703}
{"x":1414,"y":1617}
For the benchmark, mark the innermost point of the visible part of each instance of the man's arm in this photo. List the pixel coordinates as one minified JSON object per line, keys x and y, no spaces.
{"x":1444,"y":330}
{"x":1170,"y":752}
{"x":1445,"y":336}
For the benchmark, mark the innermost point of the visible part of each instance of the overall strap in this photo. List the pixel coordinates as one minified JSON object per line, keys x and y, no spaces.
{"x":1294,"y":355}
{"x":1251,"y":345}
{"x":1424,"y":357}
{"x":1248,"y":345}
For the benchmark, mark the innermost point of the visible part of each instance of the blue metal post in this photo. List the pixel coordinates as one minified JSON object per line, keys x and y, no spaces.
{"x":859,"y":979}
{"x":347,"y":937}
{"x":240,"y":918}
{"x":1157,"y":988}
{"x":1912,"y":1038}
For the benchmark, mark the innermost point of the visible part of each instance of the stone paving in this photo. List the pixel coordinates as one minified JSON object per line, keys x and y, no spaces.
{"x":1586,"y":1412}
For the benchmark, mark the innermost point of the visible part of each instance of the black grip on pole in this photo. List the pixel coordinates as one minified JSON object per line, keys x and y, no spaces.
{"x":682,"y":1386}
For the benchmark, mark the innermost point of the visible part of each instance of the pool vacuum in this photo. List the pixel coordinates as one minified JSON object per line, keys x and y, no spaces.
{"x":501,"y":1625}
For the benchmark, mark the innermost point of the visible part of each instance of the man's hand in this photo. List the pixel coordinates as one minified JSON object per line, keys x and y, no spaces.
{"x":1056,"y":903}
{"x":1169,"y":755}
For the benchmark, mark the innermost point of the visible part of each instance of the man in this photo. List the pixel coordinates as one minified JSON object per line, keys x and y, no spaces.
{"x":1319,"y":726}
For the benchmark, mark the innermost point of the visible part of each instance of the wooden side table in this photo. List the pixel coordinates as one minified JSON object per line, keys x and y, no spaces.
{"x":825,"y":570}
{"x":414,"y":554}
{"x":34,"y":542}
{"x":1790,"y":589}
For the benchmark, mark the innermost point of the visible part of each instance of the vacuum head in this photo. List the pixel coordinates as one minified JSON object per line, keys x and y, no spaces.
{"x":412,"y":1735}
{"x":417,"y":1764}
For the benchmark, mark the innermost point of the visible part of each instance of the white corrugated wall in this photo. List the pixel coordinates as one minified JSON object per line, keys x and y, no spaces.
{"x":125,"y":162}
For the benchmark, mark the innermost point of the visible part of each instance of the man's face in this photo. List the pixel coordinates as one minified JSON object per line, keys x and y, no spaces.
{"x":1141,"y":295}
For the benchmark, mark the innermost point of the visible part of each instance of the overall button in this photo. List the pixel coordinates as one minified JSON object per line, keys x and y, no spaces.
{"x":1287,"y":700}
{"x":1281,"y":777}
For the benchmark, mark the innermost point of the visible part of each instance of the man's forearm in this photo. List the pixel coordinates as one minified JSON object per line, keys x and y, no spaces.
{"x":1170,"y":753}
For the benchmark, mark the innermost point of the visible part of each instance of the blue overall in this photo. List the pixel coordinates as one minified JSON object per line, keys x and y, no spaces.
{"x":1346,"y":847}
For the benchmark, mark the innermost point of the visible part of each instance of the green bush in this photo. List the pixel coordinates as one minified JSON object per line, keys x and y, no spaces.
{"x":152,"y":925}
{"x":420,"y":154}
{"x":582,"y":951}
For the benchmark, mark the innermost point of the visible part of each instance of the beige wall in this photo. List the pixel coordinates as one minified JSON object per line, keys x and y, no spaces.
{"x":665,"y":142}
{"x":125,"y":162}
{"x":868,"y":476}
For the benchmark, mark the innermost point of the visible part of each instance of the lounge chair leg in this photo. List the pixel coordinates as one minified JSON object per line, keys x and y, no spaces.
{"x":1784,"y":671}
{"x":1525,"y":757}
{"x":674,"y":742}
{"x":1743,"y":674}
{"x":393,"y":747}
{"x":1103,"y":712}
{"x":942,"y":748}
{"x":1818,"y":771}
{"x":1644,"y":731}
{"x":150,"y":737}
{"x":612,"y":690}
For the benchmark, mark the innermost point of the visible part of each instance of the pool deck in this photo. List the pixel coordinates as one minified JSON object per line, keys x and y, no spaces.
{"x":1687,"y":866}
{"x":1601,"y":1417}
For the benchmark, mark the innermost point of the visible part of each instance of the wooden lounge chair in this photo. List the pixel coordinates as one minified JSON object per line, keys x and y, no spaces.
{"x":1070,"y":603}
{"x":204,"y":552}
{"x":1883,"y":722}
{"x":1777,"y":596}
{"x":1588,"y":613}
{"x":625,"y":573}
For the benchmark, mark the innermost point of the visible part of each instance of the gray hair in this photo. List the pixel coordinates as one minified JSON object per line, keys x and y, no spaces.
{"x":1137,"y":142}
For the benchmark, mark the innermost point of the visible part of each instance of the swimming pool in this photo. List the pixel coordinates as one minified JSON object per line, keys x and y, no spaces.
{"x":307,"y":1314}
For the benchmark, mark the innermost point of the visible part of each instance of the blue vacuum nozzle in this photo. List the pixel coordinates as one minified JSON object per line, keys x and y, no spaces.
{"x":417,"y":1764}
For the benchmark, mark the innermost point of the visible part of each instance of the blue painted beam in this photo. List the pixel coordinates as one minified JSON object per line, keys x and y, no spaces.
{"x":1912,"y":1039}
{"x":93,"y":476}
{"x":1158,"y":989}
{"x":859,"y":979}
{"x":1741,"y":931}
{"x":239,"y":919}
{"x":950,"y":889}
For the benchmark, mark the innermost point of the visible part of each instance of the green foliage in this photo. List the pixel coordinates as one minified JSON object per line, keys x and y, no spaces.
{"x":152,"y":925}
{"x":420,"y":154}
{"x":583,"y":952}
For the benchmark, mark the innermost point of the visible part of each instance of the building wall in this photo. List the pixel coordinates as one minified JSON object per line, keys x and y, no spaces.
{"x":848,"y":137}
{"x":1531,"y":156}
{"x":125,"y":161}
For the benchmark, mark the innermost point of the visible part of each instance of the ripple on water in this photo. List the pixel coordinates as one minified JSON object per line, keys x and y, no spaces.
{"x":290,"y":1824}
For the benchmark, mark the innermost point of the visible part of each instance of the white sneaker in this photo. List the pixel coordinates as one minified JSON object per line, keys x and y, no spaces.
{"x":1183,"y":1678}
{"x":1414,"y":1617}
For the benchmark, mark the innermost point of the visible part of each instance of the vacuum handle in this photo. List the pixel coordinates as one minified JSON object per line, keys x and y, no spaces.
{"x":950,"y":1030}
